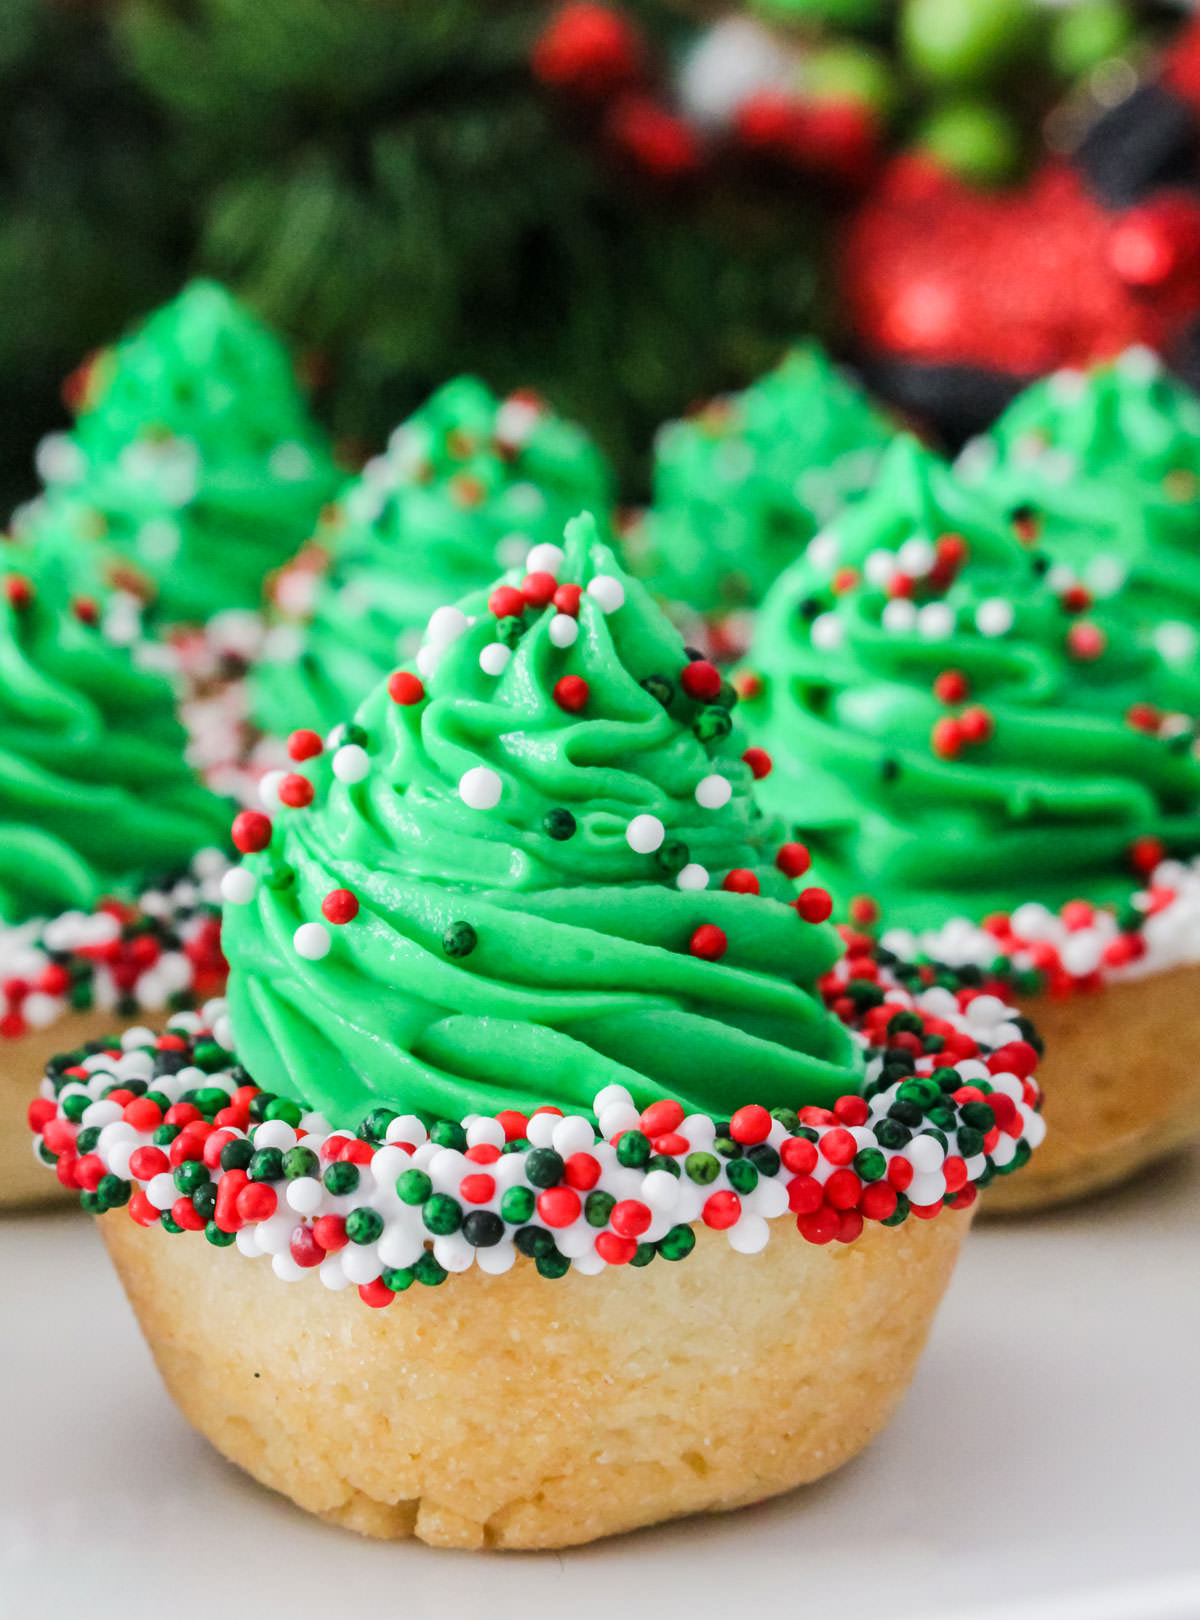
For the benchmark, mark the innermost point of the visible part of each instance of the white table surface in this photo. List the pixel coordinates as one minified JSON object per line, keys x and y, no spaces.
{"x":1046,"y":1465}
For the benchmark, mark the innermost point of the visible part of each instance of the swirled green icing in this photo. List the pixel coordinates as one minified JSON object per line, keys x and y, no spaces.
{"x":581,"y":974}
{"x":94,"y":791}
{"x":1104,"y":466}
{"x":1048,"y":806}
{"x":742,"y":486}
{"x":193,"y":469}
{"x":468,"y":484}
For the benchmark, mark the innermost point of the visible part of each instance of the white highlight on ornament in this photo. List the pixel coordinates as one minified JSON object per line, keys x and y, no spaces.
{"x":545,"y":559}
{"x":238,"y":886}
{"x":713,"y":791}
{"x":312,"y":941}
{"x":351,"y":763}
{"x":480,"y":788}
{"x":494,"y":657}
{"x":563,"y":630}
{"x":645,"y":834}
{"x":994,"y":617}
{"x":692,"y":876}
{"x":607,"y":592}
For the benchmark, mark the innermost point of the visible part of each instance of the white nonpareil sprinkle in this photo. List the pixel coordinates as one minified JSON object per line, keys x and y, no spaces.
{"x":645,"y":834}
{"x":351,"y":763}
{"x":480,"y":788}
{"x":692,"y":876}
{"x":268,"y":789}
{"x":713,"y":791}
{"x":311,"y":941}
{"x":607,"y":592}
{"x":446,"y":624}
{"x":828,"y":632}
{"x":545,"y":559}
{"x":494,"y":657}
{"x":238,"y":886}
{"x":994,"y":617}
{"x":563,"y":630}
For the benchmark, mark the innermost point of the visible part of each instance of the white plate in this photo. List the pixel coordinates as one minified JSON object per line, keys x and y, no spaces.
{"x":1045,"y":1465}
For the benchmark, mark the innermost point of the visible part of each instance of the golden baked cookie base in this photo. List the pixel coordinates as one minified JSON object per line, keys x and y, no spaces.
{"x":517,"y":1412}
{"x":23,"y":1181}
{"x":1121,"y":1086}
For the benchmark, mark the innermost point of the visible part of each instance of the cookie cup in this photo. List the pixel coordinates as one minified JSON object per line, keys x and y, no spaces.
{"x":23,"y":1179}
{"x":1121,"y":1080}
{"x":509,"y":1412}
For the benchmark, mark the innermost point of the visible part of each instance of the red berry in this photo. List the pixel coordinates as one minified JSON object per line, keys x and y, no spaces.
{"x":506,"y":602}
{"x":630,"y":1218}
{"x":815,"y":905}
{"x":721,"y":1211}
{"x":708,"y":942}
{"x":251,"y":831}
{"x":566,"y":599}
{"x":538,"y":589}
{"x":793,"y":860}
{"x":571,"y":693}
{"x":701,"y":680}
{"x":304,"y":745}
{"x":559,"y":1206}
{"x":295,"y":791}
{"x":759,"y":761}
{"x":339,"y":906}
{"x":750,"y":1124}
{"x":740,"y":881}
{"x":951,"y":686}
{"x":405,"y":688}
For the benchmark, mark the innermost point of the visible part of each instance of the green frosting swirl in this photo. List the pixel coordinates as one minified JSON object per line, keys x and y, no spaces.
{"x":581,"y":974}
{"x":468,"y":484}
{"x":740,"y":488}
{"x":1104,"y":466}
{"x":95,"y":796}
{"x":1045,"y":808}
{"x":193,"y":469}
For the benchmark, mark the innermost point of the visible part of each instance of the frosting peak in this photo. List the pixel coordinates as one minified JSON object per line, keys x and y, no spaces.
{"x":530,"y":828}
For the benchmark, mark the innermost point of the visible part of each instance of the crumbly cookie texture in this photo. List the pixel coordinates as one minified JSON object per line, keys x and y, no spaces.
{"x":501,"y":1412}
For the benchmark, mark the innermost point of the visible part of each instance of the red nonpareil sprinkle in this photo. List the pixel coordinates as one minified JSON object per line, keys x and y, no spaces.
{"x":257,"y":1201}
{"x":581,"y":1171}
{"x":708,"y":942}
{"x":18,"y":591}
{"x":951,"y":550}
{"x":1143,"y":717}
{"x":845,"y":580}
{"x":1086,"y":641}
{"x":851,"y":1111}
{"x":975,"y":725}
{"x":819,"y":1226}
{"x":1076,"y":599}
{"x":805,"y":1194}
{"x":850,"y":1225}
{"x":815,"y":905}
{"x":538,"y":589}
{"x":1078,"y":914}
{"x":740,"y":881}
{"x":477,"y":1189}
{"x":39,"y":1111}
{"x":759,"y":761}
{"x":571,"y":693}
{"x":900,"y":585}
{"x":295,"y":791}
{"x":843,"y":1190}
{"x":251,"y":831}
{"x":481,"y":1153}
{"x":672,"y":1143}
{"x":376,"y":1294}
{"x":330,"y":1232}
{"x":303,"y":745}
{"x":863,"y":911}
{"x":721,"y":1211}
{"x":1145,"y":854}
{"x":630,"y":1218}
{"x":793,"y":860}
{"x":514,"y":1124}
{"x":304,"y":1248}
{"x":559,"y":1206}
{"x":85,"y":610}
{"x":54,"y":980}
{"x":661,"y":1117}
{"x":185,"y":1214}
{"x":701,"y":680}
{"x":567,"y":599}
{"x":339,"y":906}
{"x":946,"y":738}
{"x":506,"y":602}
{"x":750,"y":1124}
{"x":748,"y":685}
{"x":878,"y":1201}
{"x":615,"y":1250}
{"x":799,"y":1155}
{"x":404,"y":688}
{"x":142,"y":1210}
{"x":173,"y":1043}
{"x":951,"y":686}
{"x":900,"y":1173}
